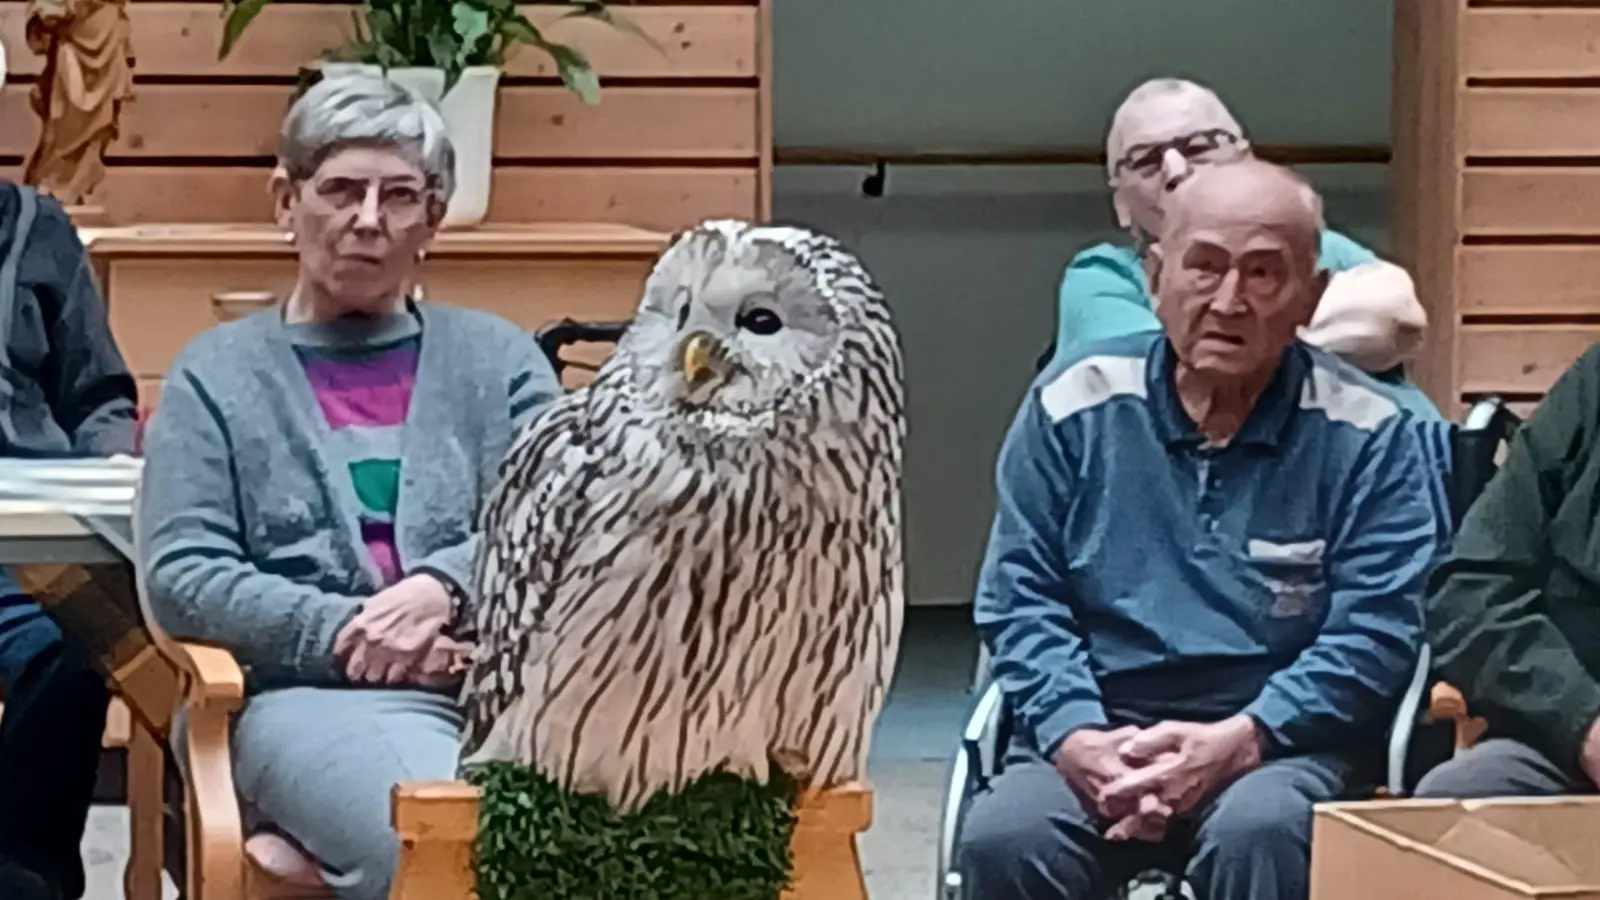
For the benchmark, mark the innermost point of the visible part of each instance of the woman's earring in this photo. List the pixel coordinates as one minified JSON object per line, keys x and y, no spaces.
{"x":422,"y":255}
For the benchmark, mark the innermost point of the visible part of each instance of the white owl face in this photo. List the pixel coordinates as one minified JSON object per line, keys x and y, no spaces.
{"x":730,"y":323}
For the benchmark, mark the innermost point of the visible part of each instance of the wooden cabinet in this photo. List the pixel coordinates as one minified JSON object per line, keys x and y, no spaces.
{"x":166,"y":284}
{"x":1497,"y":188}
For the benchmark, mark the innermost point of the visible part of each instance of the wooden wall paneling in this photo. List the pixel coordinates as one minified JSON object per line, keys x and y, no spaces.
{"x":1520,"y":359}
{"x":765,"y":44}
{"x":1426,"y":174}
{"x":681,"y":132}
{"x":181,"y":39}
{"x":662,"y":198}
{"x":174,"y":121}
{"x":1526,"y":222}
{"x":1530,"y":43}
{"x":1530,"y":122}
{"x":1531,"y":201}
{"x":1508,"y":280}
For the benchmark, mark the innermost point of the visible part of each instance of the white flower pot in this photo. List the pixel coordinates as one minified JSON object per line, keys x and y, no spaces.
{"x":468,"y":111}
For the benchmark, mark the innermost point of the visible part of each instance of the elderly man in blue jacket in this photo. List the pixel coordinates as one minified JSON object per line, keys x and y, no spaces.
{"x":1202,"y":588}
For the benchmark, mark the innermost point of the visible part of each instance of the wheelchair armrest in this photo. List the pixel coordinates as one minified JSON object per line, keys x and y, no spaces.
{"x":985,"y":716}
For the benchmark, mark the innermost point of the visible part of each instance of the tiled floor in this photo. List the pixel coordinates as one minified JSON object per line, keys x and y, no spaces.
{"x":910,"y":765}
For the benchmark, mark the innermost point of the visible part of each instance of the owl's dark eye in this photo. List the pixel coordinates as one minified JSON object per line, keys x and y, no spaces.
{"x":683,"y":315}
{"x":760,"y":320}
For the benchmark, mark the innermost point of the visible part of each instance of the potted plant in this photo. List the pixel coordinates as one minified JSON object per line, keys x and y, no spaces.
{"x":450,"y":52}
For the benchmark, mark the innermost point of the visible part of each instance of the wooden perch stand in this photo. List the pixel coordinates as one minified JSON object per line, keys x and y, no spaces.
{"x":438,"y":823}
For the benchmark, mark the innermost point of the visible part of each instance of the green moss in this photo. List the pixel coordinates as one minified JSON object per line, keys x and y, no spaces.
{"x":721,"y":838}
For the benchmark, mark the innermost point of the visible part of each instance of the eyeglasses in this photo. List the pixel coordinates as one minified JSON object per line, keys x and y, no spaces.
{"x":1145,"y":159}
{"x":401,"y":203}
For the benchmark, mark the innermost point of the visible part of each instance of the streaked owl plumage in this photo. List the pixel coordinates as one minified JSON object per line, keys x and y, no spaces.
{"x":677,"y":578}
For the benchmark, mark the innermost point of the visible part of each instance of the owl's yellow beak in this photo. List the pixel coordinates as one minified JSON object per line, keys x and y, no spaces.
{"x":696,"y":352}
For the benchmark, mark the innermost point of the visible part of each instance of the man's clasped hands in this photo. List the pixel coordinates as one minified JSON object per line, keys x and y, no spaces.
{"x":399,"y":637}
{"x":1138,"y":779}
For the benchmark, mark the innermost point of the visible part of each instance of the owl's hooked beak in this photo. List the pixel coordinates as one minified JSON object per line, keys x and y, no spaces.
{"x":696,"y":354}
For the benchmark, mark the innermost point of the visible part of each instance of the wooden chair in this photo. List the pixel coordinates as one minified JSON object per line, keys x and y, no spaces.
{"x":437,"y":822}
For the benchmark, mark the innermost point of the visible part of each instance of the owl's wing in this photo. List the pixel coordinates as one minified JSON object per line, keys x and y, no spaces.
{"x":525,"y":527}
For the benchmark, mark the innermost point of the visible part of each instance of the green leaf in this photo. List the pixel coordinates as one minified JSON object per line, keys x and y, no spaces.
{"x":576,"y":73}
{"x":237,"y":16}
{"x":444,"y":51}
{"x":471,"y":25}
{"x":518,"y":28}
{"x":594,"y":9}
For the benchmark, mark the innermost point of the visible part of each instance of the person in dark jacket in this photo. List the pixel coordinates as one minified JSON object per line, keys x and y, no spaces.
{"x":1514,"y":614}
{"x":64,"y":392}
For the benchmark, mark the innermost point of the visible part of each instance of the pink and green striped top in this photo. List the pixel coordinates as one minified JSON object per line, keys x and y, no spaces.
{"x":362,"y":373}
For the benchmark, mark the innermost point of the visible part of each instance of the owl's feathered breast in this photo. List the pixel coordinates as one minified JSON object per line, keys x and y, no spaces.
{"x":614,"y":513}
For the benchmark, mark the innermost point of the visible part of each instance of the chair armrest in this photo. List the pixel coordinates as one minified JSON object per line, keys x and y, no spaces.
{"x":1447,"y":704}
{"x":214,"y":692}
{"x":216,"y":679}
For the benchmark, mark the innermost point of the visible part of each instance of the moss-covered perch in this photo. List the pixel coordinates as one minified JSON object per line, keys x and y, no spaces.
{"x":732,"y":841}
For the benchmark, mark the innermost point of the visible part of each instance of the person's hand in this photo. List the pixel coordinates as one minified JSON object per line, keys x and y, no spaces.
{"x":1181,"y":763}
{"x":443,"y":665}
{"x":1590,"y":757}
{"x":1147,"y":823}
{"x":1090,"y":760}
{"x":393,"y":631}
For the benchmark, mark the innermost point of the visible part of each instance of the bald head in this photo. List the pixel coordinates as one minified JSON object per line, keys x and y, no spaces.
{"x":1162,"y":132}
{"x":1235,"y":272}
{"x":1248,"y":194}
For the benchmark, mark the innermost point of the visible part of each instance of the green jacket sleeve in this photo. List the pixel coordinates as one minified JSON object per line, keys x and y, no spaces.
{"x":1485,"y":614}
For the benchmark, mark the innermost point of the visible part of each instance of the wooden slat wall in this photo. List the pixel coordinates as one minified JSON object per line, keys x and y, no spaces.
{"x":1497,"y":173}
{"x":681,"y":133}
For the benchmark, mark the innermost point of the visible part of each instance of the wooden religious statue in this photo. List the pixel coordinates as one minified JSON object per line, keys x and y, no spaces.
{"x":87,"y":50}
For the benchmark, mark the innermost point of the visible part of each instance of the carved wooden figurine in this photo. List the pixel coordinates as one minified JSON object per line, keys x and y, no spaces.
{"x":88,"y":75}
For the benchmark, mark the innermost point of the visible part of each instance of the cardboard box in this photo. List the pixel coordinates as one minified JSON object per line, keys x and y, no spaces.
{"x":1473,"y":850}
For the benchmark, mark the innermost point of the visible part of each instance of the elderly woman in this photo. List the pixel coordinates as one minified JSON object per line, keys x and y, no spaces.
{"x":1164,"y":131}
{"x":313,"y":476}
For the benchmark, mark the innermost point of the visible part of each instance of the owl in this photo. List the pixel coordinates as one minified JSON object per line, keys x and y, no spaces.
{"x":695,"y":562}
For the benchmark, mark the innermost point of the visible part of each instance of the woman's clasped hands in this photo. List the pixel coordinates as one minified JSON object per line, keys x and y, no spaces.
{"x":398,"y":637}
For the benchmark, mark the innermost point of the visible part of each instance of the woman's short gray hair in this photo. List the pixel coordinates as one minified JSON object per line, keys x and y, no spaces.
{"x":365,"y":109}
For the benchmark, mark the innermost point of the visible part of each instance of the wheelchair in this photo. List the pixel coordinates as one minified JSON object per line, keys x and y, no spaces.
{"x":1470,"y":450}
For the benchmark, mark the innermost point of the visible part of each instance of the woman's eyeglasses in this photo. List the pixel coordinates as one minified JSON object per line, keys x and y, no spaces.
{"x":401,"y":203}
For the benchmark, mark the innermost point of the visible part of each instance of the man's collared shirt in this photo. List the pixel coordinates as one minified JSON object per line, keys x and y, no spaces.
{"x":1136,"y":574}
